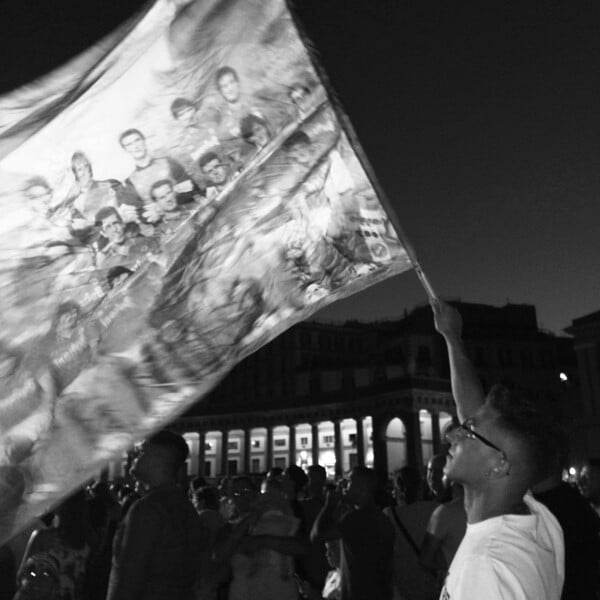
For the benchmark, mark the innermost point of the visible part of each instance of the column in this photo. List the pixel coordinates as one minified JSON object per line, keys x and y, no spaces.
{"x":360,"y":441}
{"x":292,"y":445}
{"x":269,"y":448}
{"x":247,"y":450}
{"x":224,"y":452}
{"x":414,"y":450}
{"x":337,"y":444}
{"x":201,"y":452}
{"x":380,"y":460}
{"x":435,"y":432}
{"x":314,"y":429}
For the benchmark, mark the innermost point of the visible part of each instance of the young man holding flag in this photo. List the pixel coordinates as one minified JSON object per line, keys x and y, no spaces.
{"x":513,"y":546}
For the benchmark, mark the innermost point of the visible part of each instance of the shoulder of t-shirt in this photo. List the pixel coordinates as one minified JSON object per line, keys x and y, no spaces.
{"x":477,"y":577}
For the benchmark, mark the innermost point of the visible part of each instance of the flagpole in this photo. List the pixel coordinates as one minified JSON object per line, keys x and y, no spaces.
{"x":410,"y":251}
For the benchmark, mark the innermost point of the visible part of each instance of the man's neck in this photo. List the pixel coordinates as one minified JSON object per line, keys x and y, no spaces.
{"x":143,"y":163}
{"x":481,"y":505}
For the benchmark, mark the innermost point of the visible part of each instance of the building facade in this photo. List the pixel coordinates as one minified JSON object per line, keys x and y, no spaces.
{"x":586,"y":431}
{"x":375,"y":394}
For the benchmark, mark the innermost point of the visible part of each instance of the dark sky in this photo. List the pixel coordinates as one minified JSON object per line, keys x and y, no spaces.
{"x":481,"y":121}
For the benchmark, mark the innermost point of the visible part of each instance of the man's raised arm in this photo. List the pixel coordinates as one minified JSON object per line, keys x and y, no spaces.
{"x":466,"y":385}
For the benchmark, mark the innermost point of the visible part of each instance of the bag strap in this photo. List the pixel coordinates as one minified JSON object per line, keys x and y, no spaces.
{"x":407,"y":535}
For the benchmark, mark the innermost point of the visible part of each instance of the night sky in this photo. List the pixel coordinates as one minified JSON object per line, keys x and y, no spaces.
{"x":481,"y":121}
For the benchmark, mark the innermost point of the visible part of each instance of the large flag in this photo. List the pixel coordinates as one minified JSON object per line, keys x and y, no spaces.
{"x":171,"y":200}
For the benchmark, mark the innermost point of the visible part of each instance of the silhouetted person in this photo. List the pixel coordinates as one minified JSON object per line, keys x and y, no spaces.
{"x":157,"y":548}
{"x":409,"y":517}
{"x":579,"y":522}
{"x":438,"y":486}
{"x":56,"y":557}
{"x":365,"y":536}
{"x":589,"y":483}
{"x":313,"y":566}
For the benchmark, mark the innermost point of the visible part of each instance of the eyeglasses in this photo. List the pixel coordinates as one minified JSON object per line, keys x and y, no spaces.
{"x":464,"y":431}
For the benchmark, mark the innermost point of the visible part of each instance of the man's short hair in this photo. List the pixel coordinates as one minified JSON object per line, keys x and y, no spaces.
{"x":107,"y":211}
{"x":247,"y":126}
{"x":536,"y":432}
{"x":318,"y":470}
{"x":208,"y":157}
{"x":180,"y":104}
{"x":158,"y":184}
{"x":226,"y":70}
{"x":209,"y":495}
{"x":409,"y":481}
{"x":115,"y":272}
{"x":128,"y":132}
{"x":298,"y":476}
{"x":173,"y":444}
{"x":368,"y":477}
{"x":298,"y":138}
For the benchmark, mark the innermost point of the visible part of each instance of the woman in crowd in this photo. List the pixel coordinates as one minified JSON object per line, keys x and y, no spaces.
{"x":56,"y":557}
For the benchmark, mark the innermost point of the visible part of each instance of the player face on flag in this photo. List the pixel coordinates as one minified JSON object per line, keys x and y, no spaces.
{"x":171,"y":201}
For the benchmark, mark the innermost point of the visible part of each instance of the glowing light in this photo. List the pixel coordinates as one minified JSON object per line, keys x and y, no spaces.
{"x":328,"y":458}
{"x":563,"y":376}
{"x":572,"y":471}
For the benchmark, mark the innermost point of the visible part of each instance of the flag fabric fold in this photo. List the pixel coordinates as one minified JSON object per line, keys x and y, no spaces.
{"x":172,"y":200}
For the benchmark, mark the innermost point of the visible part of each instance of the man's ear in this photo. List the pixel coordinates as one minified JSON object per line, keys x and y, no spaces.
{"x":500,"y":469}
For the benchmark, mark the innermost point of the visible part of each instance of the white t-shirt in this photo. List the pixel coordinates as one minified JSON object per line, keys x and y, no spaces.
{"x":511,"y":557}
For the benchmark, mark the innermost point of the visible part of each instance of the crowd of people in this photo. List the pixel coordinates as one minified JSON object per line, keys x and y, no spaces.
{"x":493,"y":518}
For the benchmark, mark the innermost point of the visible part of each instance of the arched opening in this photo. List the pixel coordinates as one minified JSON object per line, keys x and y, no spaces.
{"x":327,"y":447}
{"x":281,"y":446}
{"x":368,"y":431}
{"x":426,"y":430}
{"x":395,"y":434}
{"x":212,"y":453}
{"x":258,"y":450}
{"x":235,"y":452}
{"x":192,"y":439}
{"x":303,"y":445}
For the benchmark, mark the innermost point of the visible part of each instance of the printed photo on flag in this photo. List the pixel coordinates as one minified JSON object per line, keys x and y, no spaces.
{"x":190,"y":192}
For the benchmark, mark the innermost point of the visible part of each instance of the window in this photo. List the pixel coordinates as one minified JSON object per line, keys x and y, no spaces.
{"x":328,"y":439}
{"x":304,"y":441}
{"x":233,"y":445}
{"x":280,"y":442}
{"x":207,"y":468}
{"x":352,"y":439}
{"x":255,"y":465}
{"x":208,"y":447}
{"x":255,"y":444}
{"x":232,"y":467}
